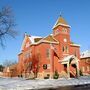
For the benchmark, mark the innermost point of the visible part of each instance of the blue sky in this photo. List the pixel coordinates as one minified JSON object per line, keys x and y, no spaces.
{"x":37,"y":17}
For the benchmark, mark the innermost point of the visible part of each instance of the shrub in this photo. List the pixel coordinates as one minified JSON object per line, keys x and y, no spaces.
{"x":56,"y":75}
{"x":80,"y":71}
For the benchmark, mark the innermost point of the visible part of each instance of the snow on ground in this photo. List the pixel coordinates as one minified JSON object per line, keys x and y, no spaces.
{"x":22,"y":84}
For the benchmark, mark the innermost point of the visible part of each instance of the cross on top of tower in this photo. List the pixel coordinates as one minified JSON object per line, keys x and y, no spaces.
{"x":60,"y":14}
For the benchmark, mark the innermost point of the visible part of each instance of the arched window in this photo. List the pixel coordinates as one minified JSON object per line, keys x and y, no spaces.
{"x":75,"y":53}
{"x":45,"y":66}
{"x":66,"y":49}
{"x":57,"y":31}
{"x":48,"y":53}
{"x":64,"y":30}
{"x":63,"y":49}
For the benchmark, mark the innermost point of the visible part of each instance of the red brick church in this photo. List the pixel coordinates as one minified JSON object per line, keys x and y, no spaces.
{"x":43,"y":56}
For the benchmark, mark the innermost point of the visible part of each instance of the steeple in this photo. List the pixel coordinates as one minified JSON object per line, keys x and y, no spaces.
{"x":61,"y":22}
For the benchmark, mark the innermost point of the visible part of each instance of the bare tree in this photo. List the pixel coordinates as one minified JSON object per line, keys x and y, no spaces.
{"x":7,"y":24}
{"x":1,"y":68}
{"x":7,"y":63}
{"x":32,"y":64}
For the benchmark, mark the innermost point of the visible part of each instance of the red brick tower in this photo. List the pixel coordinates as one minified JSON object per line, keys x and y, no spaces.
{"x":61,"y":31}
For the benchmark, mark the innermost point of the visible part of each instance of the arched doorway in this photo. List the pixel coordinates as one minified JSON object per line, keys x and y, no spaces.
{"x":71,"y":65}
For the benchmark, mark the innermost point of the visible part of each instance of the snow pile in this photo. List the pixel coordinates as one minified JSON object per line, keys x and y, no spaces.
{"x":22,"y":84}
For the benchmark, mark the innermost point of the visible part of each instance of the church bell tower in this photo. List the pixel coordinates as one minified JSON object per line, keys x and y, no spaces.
{"x":61,"y":32}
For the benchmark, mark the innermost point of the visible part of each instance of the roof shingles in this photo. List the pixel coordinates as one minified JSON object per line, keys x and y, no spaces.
{"x":61,"y":22}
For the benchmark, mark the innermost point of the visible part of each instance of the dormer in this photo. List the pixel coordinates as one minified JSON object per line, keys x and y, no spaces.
{"x":29,"y":40}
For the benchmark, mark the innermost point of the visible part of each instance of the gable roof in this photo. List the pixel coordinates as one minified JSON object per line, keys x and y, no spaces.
{"x":50,"y":38}
{"x":61,"y":21}
{"x":47,"y":39}
{"x":31,"y":38}
{"x":37,"y":40}
{"x":68,"y":59}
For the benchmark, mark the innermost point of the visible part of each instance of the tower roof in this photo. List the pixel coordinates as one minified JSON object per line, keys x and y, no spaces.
{"x":61,"y":21}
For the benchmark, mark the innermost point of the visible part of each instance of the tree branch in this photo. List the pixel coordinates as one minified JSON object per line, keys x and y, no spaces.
{"x":7,"y":24}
